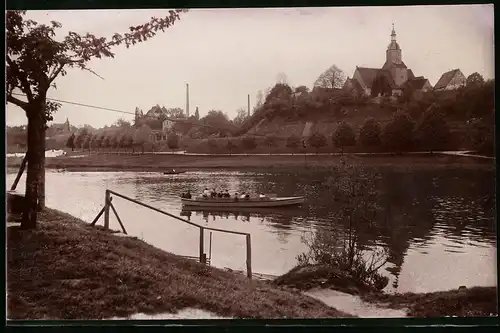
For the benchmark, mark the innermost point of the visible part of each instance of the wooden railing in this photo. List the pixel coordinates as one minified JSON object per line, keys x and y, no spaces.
{"x":108,"y":204}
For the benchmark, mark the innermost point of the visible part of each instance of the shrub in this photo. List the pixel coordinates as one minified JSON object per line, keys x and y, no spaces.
{"x":369,"y":134}
{"x":344,"y":136}
{"x":431,"y":131}
{"x":212,"y":145}
{"x":317,"y":140}
{"x":293,"y":141}
{"x":249,"y":142}
{"x":70,"y":143}
{"x":231,"y":146}
{"x":397,"y":133}
{"x":173,"y":141}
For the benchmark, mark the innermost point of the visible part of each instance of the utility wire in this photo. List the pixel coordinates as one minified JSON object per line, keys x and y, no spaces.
{"x":119,"y":111}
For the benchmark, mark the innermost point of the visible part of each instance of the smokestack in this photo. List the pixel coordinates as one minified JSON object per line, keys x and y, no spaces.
{"x":187,"y":99}
{"x":249,"y":105}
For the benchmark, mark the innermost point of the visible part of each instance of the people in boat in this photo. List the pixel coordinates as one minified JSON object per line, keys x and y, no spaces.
{"x":262,"y":196}
{"x":206,"y":192}
{"x":243,"y":195}
{"x":188,"y":194}
{"x":213,"y":193}
{"x":226,"y":194}
{"x":247,"y":196}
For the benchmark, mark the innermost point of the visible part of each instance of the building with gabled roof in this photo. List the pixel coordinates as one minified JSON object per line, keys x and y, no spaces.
{"x":451,"y":80}
{"x":393,"y":74}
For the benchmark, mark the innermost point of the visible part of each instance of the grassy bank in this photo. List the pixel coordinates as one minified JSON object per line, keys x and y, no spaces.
{"x":149,"y":162}
{"x":67,"y":270}
{"x":472,"y":302}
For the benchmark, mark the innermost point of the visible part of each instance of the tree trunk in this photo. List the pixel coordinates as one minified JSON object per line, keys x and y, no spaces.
{"x":35,"y":170}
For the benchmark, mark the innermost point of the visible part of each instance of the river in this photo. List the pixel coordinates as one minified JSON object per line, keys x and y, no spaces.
{"x":440,"y":233}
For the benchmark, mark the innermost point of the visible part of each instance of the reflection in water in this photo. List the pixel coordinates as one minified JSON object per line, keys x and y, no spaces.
{"x":439,"y":226}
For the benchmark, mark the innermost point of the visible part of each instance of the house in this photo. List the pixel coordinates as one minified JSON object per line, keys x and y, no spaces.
{"x":388,"y":80}
{"x":451,"y":80}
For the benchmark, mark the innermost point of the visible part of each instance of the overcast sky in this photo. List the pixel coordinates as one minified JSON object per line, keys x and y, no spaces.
{"x":226,"y":54}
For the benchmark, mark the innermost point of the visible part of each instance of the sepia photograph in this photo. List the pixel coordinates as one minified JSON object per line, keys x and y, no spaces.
{"x":250,"y":163}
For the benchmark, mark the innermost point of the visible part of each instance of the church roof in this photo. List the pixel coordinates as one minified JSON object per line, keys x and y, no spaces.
{"x":417,"y":83}
{"x":389,"y":64}
{"x":446,"y":78}
{"x":367,"y":75}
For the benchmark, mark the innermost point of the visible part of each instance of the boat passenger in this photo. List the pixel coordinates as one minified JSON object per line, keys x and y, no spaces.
{"x":243,"y":196}
{"x":262,"y":196}
{"x":247,"y":196}
{"x":188,"y":194}
{"x":206,"y":192}
{"x":236,"y":196}
{"x":226,"y":194}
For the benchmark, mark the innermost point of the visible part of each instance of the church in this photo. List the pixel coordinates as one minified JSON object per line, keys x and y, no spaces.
{"x":391,"y":79}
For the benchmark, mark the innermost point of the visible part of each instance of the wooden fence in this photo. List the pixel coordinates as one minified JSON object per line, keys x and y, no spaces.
{"x":202,"y":256}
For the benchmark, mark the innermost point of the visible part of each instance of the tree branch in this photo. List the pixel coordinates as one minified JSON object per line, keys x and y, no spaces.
{"x":22,"y":77}
{"x":18,"y":102}
{"x":53,"y":76}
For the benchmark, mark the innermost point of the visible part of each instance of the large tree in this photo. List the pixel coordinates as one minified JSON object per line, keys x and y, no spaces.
{"x":241,"y":116}
{"x":333,"y":77}
{"x":34,"y":59}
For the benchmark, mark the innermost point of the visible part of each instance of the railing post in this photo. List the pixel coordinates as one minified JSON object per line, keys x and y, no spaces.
{"x":106,"y":209}
{"x":202,"y":247}
{"x":249,"y":256}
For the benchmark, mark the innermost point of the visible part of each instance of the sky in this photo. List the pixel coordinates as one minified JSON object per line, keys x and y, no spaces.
{"x":226,"y":54}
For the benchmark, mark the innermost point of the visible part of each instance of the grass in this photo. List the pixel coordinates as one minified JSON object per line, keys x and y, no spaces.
{"x":66,"y":269}
{"x":472,"y":302}
{"x":149,"y":162}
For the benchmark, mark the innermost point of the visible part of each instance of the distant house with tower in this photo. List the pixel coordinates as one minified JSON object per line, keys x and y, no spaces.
{"x":394,"y":75}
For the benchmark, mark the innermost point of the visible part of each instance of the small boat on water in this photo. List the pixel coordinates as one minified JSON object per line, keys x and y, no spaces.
{"x":243,"y":203}
{"x":173,"y":172}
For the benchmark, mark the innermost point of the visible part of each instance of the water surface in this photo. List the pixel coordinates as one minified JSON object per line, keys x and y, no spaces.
{"x":440,"y":230}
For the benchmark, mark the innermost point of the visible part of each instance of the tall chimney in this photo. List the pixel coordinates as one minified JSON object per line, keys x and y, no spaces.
{"x":187,"y":99}
{"x":249,"y":105}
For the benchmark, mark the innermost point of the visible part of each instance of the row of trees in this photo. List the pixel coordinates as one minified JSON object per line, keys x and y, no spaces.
{"x":400,"y":133}
{"x":125,"y":139}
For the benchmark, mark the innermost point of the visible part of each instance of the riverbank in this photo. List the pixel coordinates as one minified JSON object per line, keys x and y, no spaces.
{"x":338,"y":289}
{"x":66,"y":269}
{"x":161,"y":162}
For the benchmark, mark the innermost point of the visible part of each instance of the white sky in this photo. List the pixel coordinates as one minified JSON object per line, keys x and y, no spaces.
{"x":225,"y":54}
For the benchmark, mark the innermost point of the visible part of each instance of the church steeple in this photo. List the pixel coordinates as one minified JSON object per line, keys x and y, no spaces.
{"x":393,"y":53}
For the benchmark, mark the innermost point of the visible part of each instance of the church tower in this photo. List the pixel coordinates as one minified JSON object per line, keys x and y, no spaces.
{"x":393,"y":53}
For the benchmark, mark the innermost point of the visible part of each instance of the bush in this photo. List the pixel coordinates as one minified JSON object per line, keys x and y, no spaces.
{"x":231,"y":146}
{"x":344,"y":136}
{"x":212,"y":145}
{"x":397,"y":133}
{"x":369,"y":134}
{"x":249,"y":143}
{"x":173,"y":141}
{"x":431,"y":131}
{"x":293,"y":141}
{"x":70,"y":143}
{"x":317,"y":140}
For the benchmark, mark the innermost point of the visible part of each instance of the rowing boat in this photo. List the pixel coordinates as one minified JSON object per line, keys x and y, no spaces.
{"x":250,"y":202}
{"x":173,"y":172}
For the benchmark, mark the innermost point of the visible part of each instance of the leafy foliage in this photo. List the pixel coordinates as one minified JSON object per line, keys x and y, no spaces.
{"x":231,"y":146}
{"x":293,"y":141}
{"x":475,"y":79}
{"x":432,"y":131}
{"x":70,"y":143}
{"x":381,"y":86}
{"x":333,"y":77}
{"x":344,"y":136}
{"x":142,"y":135}
{"x":249,"y":142}
{"x":173,"y":141}
{"x":369,"y":134}
{"x":317,"y":140}
{"x":398,"y":132}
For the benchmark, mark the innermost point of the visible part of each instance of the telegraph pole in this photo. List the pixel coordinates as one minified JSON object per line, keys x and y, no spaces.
{"x":187,"y":99}
{"x":248,"y":105}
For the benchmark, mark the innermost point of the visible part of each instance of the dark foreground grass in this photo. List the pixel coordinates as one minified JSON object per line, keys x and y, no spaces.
{"x":472,"y":302}
{"x":68,"y":270}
